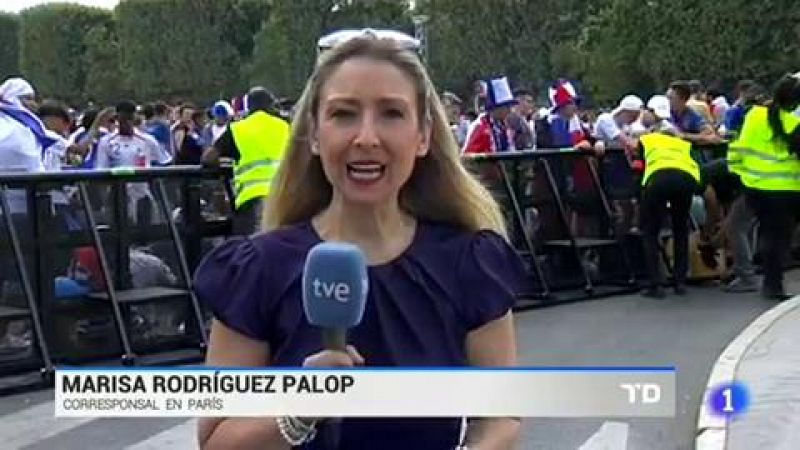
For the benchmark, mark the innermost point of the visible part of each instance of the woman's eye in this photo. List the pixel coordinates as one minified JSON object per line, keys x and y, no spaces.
{"x":342,"y":113}
{"x":394,"y":113}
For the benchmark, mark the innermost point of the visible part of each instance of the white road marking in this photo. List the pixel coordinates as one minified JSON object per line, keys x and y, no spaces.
{"x":179,"y":437}
{"x":34,"y":424}
{"x":610,"y":436}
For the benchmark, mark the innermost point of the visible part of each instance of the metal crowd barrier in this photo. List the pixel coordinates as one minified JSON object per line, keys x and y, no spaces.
{"x":609,"y":259}
{"x":97,"y":265}
{"x":547,"y":194}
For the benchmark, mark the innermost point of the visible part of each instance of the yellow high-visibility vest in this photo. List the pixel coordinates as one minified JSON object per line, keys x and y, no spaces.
{"x":762,"y":161}
{"x":261,"y":140}
{"x":662,"y":151}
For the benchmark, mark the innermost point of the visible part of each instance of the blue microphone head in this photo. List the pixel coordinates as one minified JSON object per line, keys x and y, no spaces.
{"x":335,"y":285}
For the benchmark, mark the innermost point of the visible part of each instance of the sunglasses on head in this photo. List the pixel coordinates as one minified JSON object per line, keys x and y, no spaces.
{"x":331,"y":40}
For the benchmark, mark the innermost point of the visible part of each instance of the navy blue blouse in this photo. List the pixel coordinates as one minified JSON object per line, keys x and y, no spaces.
{"x":419,"y":309}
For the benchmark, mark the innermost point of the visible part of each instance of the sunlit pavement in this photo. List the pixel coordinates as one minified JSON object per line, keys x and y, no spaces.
{"x":686,"y":332}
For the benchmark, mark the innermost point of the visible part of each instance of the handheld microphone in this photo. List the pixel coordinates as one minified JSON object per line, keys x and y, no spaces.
{"x":335,"y":290}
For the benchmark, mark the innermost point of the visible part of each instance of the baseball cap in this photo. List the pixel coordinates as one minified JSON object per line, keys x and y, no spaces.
{"x":720,"y":102}
{"x":659,"y":104}
{"x":630,"y":103}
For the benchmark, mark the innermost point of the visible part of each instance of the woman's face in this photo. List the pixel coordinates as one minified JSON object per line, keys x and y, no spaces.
{"x":368,"y":131}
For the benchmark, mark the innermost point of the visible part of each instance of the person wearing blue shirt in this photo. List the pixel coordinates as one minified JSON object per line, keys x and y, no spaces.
{"x":158,"y":126}
{"x":691,"y":125}
{"x":749,"y":93}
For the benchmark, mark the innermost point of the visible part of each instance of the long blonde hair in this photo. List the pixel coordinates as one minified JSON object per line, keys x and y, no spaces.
{"x":440,"y":188}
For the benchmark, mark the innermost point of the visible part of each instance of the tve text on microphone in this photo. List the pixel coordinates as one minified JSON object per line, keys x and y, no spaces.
{"x":338,"y":291}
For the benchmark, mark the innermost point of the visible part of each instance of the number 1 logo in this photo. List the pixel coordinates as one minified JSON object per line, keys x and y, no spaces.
{"x":728,"y":406}
{"x":730,"y":399}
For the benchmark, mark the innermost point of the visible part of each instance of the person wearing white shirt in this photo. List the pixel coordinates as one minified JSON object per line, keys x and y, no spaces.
{"x":129,"y":147}
{"x":19,"y":149}
{"x":61,"y":153}
{"x":616,"y":127}
{"x":56,"y":120}
{"x":22,"y":136}
{"x":19,"y":93}
{"x":223,"y":114}
{"x":613,"y":126}
{"x":21,"y":139}
{"x":20,"y":145}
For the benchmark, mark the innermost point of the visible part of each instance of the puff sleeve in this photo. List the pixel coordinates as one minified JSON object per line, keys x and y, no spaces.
{"x":491,"y":274}
{"x":231,"y":282}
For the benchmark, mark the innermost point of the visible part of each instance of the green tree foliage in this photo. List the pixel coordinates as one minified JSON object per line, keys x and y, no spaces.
{"x":101,"y":59}
{"x":642,"y":46}
{"x":517,"y":38}
{"x":285,"y":48}
{"x":206,"y":49}
{"x":190,"y":49}
{"x":391,"y":14}
{"x":243,"y":20}
{"x":9,"y":45}
{"x":52,"y":47}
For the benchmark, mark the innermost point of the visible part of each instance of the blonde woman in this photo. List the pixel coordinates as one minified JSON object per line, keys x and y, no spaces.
{"x":371,"y":161}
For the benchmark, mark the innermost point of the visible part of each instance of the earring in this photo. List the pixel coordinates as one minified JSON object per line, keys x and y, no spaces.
{"x":315,"y":148}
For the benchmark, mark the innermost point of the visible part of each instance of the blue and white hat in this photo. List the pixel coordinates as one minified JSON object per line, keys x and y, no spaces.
{"x":222,"y":109}
{"x":498,"y":93}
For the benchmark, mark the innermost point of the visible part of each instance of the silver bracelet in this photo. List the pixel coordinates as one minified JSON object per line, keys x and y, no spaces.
{"x":295,"y":431}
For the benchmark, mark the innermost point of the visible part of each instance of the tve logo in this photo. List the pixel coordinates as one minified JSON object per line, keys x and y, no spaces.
{"x":335,"y":283}
{"x":332,"y":290}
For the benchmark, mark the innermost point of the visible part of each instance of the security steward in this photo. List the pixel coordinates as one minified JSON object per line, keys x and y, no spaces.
{"x":765,"y":156}
{"x":256,"y":144}
{"x":671,"y":177}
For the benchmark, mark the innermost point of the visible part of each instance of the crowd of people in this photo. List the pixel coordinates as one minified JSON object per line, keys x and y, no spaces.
{"x":498,"y":119}
{"x":161,"y":134}
{"x":49,"y":136}
{"x":697,"y":125}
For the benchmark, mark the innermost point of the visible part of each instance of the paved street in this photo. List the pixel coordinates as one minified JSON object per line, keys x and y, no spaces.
{"x":771,"y":371}
{"x":687,"y":332}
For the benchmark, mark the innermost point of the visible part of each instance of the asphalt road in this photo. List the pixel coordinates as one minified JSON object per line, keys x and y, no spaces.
{"x":685,"y":332}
